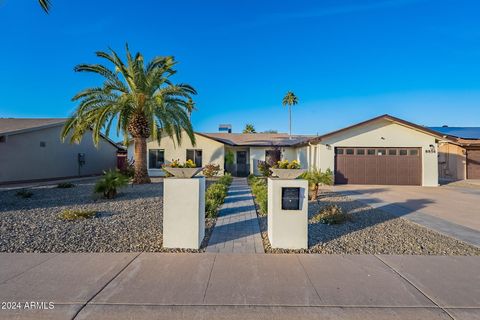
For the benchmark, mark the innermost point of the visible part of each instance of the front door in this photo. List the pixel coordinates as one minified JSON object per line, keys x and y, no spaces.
{"x":242,"y":169}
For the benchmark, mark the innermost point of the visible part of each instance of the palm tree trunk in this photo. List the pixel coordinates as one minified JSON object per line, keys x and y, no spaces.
{"x":141,"y":172}
{"x":290,"y":120}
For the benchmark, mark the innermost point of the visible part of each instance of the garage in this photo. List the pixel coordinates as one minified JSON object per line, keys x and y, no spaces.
{"x":473,"y":164}
{"x":378,"y":166}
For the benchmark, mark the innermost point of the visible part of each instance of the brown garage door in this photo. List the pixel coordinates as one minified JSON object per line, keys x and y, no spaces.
{"x":389,"y":166}
{"x":473,"y":164}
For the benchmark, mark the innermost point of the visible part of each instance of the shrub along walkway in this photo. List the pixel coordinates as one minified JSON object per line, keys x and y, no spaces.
{"x":237,"y":229}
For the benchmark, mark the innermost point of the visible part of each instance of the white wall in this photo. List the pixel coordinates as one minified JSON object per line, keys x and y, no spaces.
{"x":383,"y":134}
{"x":212,"y":151}
{"x":22,"y":158}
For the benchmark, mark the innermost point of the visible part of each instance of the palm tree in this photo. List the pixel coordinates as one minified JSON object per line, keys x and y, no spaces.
{"x":45,"y":4}
{"x":141,"y":101}
{"x":249,"y":128}
{"x":290,"y":100}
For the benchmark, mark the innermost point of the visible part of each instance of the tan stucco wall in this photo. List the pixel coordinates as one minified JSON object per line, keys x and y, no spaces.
{"x":212,"y":151}
{"x":383,"y":134}
{"x":451,"y":162}
{"x":22,"y":158}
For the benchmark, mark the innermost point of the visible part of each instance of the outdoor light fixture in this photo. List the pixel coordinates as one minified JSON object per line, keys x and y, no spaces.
{"x":432,"y":148}
{"x":329,"y":147}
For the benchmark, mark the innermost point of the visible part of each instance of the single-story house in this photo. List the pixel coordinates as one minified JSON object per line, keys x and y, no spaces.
{"x":31,"y":149}
{"x":459,"y":157}
{"x":383,"y":150}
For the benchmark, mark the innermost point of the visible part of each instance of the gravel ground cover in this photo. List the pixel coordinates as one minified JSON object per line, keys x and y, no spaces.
{"x":132,"y":222}
{"x":369,"y":231}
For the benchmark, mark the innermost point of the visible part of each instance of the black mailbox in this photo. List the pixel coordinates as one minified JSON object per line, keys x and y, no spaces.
{"x":290,"y":198}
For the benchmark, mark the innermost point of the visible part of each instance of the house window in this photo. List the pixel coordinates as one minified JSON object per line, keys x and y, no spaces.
{"x":156,"y":158}
{"x":392,"y":152}
{"x":195,"y":155}
{"x":349,"y":151}
{"x":371,"y":152}
{"x":360,"y":152}
{"x":403,"y":152}
{"x":339,"y":151}
{"x":272,"y":156}
{"x":413,"y":152}
{"x":381,"y":152}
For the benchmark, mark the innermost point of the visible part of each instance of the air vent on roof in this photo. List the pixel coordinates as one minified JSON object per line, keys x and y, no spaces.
{"x":225,"y":128}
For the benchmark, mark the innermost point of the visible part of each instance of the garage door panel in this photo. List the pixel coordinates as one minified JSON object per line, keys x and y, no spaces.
{"x":473,"y":164}
{"x":382,"y":166}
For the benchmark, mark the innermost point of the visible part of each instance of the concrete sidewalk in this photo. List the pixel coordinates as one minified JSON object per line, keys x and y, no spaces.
{"x":241,"y":286}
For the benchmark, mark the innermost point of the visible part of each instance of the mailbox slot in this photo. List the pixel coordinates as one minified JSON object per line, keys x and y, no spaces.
{"x":290,"y":198}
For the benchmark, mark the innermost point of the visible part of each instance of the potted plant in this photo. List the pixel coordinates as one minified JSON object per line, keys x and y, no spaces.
{"x":287,"y":169}
{"x":182,"y":170}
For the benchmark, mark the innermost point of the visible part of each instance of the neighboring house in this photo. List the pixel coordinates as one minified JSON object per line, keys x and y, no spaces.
{"x":31,"y":149}
{"x":459,"y":158}
{"x":383,"y":150}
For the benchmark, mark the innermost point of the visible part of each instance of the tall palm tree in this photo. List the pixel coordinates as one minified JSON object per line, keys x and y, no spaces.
{"x":249,"y":128}
{"x":290,"y":100}
{"x":140,"y":100}
{"x":45,"y":4}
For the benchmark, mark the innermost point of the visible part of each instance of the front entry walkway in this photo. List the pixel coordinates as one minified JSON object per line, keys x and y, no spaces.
{"x":237,"y":229}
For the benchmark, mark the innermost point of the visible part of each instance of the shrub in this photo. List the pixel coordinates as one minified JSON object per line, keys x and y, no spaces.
{"x":229,"y":157}
{"x":24,"y":193}
{"x":285,"y":164}
{"x":211,"y":170}
{"x":226,"y":179}
{"x":316,"y":178}
{"x":331,"y":214}
{"x":65,"y":185}
{"x":110,"y":182}
{"x":260,"y":192}
{"x":76,"y":214}
{"x":264,"y":168}
{"x":214,"y":197}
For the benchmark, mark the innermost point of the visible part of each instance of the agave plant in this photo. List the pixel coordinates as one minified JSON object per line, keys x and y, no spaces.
{"x":140,"y":100}
{"x":110,"y":182}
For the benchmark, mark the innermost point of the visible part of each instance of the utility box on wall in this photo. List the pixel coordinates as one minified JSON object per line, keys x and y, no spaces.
{"x":288,"y":213}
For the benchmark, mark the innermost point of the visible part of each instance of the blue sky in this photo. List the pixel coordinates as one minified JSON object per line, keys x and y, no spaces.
{"x":347,"y":61}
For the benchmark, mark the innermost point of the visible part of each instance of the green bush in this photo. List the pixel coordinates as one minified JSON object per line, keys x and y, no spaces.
{"x":65,"y":185}
{"x":226,"y":179}
{"x":260,"y":192}
{"x":316,"y":178}
{"x":211,"y":170}
{"x":70,"y":215}
{"x":264,"y":168}
{"x":214,"y":197}
{"x":110,"y":182}
{"x":24,"y":193}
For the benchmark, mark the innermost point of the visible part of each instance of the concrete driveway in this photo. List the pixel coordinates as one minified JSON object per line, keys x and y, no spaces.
{"x":448,"y":209}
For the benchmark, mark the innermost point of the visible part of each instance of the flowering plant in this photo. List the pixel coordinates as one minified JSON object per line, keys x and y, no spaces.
{"x":285,"y":164}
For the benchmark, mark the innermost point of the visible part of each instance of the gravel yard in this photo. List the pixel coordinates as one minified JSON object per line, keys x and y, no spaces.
{"x":370,"y":231}
{"x":132,"y":222}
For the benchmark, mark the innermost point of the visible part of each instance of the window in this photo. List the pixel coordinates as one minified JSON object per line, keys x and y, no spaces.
{"x":360,"y":152}
{"x":371,"y":152}
{"x":339,"y":151}
{"x":413,"y":152}
{"x":43,"y":144}
{"x":392,"y":152}
{"x":195,"y":155}
{"x":403,"y":152}
{"x":381,"y":152}
{"x":156,"y":158}
{"x":349,"y":151}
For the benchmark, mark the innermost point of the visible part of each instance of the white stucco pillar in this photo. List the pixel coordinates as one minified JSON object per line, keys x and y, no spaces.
{"x":183,"y":212}
{"x":287,"y":227}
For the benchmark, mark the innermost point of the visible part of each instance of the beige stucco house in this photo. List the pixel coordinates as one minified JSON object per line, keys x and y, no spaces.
{"x":31,"y":149}
{"x":383,"y":150}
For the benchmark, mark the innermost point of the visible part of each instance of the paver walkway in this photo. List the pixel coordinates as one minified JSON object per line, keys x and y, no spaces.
{"x":237,"y":229}
{"x":239,"y":286}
